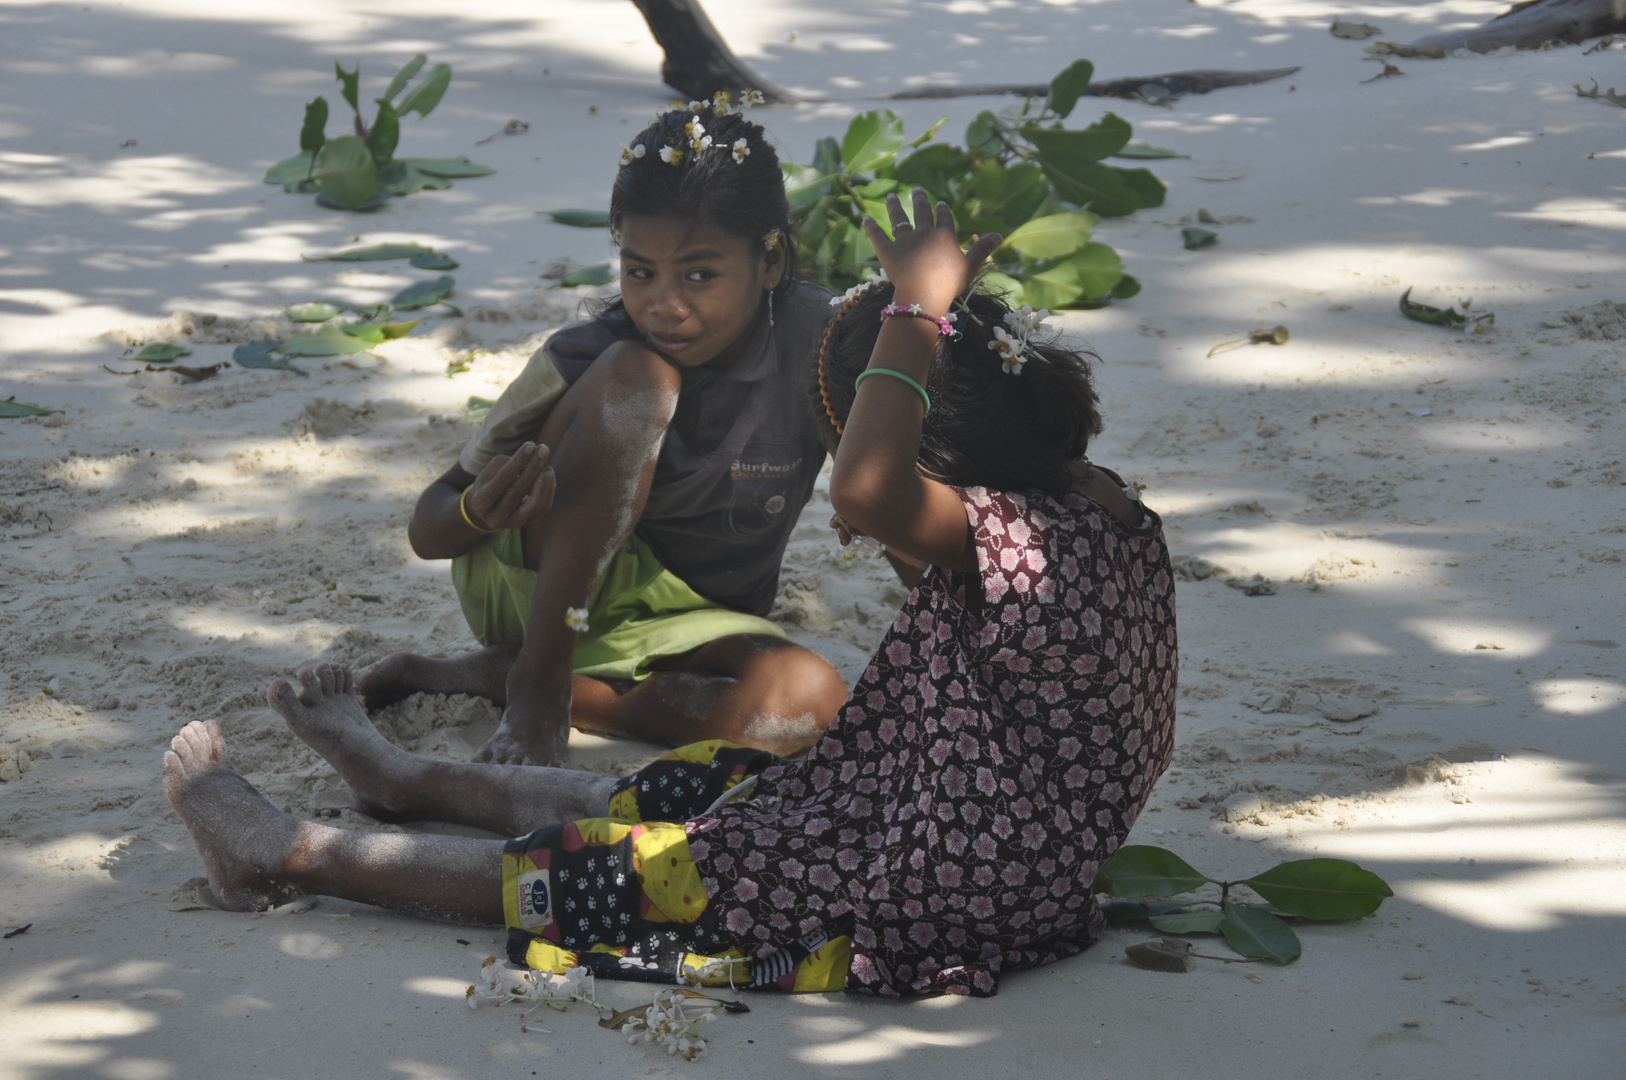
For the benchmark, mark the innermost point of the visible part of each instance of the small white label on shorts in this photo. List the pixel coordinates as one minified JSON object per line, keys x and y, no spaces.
{"x":535,"y":900}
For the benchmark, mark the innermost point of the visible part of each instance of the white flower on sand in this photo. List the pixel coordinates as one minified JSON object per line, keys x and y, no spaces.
{"x":576,"y":619}
{"x":841,"y":301}
{"x":668,"y":1022}
{"x":671,"y":155}
{"x":741,"y":151}
{"x":698,"y":139}
{"x":1011,"y":350}
{"x":632,"y":153}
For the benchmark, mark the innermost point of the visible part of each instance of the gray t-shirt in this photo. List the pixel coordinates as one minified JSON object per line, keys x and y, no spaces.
{"x":739,"y":460}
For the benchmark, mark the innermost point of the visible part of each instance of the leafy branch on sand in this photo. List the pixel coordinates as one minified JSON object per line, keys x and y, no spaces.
{"x":1151,"y":884}
{"x":361,"y":171}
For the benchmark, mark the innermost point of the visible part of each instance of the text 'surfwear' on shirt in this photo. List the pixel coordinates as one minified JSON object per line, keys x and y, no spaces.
{"x":739,"y":460}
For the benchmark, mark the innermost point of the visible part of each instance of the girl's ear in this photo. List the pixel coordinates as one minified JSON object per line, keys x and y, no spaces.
{"x":773,"y":262}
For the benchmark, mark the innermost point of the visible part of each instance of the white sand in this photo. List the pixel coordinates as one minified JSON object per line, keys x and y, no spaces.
{"x":1457,"y":730}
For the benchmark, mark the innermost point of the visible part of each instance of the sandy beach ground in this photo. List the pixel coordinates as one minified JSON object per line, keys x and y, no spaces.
{"x":1436,"y":688}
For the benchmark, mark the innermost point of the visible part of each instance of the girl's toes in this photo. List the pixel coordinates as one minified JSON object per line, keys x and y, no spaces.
{"x":310,"y":688}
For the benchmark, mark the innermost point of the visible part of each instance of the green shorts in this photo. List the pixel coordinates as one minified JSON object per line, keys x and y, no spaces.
{"x":640,"y":613}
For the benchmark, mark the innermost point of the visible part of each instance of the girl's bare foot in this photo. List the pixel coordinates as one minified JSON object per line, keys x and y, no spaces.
{"x":326,"y":714}
{"x":482,"y":673}
{"x":245,"y":842}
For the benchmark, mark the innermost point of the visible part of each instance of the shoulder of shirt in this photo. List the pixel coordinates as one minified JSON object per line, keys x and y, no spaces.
{"x":589,"y":337}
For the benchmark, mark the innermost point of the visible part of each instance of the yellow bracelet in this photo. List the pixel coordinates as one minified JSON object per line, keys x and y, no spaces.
{"x":463,"y":505}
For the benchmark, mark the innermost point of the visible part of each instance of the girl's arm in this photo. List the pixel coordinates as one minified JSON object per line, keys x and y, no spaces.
{"x":511,"y":492}
{"x":876,"y":483}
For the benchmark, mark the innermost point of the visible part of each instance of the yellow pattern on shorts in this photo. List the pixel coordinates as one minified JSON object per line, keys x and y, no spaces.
{"x":671,"y":882}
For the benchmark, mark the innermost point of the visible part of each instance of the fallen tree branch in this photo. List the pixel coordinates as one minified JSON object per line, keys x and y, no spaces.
{"x":1164,"y":87}
{"x":698,"y":62}
{"x":1536,"y":23}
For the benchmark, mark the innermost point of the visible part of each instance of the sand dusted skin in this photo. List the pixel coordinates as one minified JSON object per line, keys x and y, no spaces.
{"x":1400,"y":546}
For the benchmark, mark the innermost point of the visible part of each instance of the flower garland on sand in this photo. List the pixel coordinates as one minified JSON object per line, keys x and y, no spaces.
{"x":669,"y":1020}
{"x":1014,"y":345}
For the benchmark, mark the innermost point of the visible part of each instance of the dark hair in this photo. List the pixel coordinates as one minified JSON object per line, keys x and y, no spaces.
{"x":743,"y":195}
{"x":986,"y":426}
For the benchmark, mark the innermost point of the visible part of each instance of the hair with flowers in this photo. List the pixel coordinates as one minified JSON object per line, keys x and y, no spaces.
{"x":704,"y":161}
{"x":984,"y":427}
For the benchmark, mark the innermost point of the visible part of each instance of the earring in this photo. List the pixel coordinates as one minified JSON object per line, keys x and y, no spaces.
{"x":770,"y":309}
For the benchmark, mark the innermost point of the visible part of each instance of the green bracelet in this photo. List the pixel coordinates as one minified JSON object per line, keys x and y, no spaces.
{"x":921,"y":390}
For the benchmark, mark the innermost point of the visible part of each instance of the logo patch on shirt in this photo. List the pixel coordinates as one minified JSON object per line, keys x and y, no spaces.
{"x":535,"y":899}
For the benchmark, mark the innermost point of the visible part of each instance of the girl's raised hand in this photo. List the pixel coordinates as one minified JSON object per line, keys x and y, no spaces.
{"x":923,"y":260}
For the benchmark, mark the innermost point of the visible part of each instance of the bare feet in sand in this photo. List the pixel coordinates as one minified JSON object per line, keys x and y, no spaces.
{"x":244,"y":840}
{"x":482,"y":673}
{"x":326,"y":714}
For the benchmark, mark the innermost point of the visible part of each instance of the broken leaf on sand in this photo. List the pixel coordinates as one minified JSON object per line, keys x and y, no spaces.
{"x":262,"y":354}
{"x":10,"y":408}
{"x":1389,"y":71}
{"x":1610,"y":95}
{"x":314,"y":312}
{"x":1196,"y":238}
{"x":1353,"y":31}
{"x":190,"y":374}
{"x":433,"y":260}
{"x":1164,"y":954}
{"x":457,"y":168}
{"x":424,"y":293}
{"x":160,"y":353}
{"x":330,"y":340}
{"x":375,"y":253}
{"x":1275,"y":335}
{"x":1142,"y":152}
{"x":1405,"y":52}
{"x":581,"y":219}
{"x":597,"y":274}
{"x":1448,"y":317}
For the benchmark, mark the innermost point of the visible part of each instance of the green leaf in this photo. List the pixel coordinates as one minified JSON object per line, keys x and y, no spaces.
{"x":1068,"y":87}
{"x":404,"y":76}
{"x":346,"y":171}
{"x":1165,"y":954}
{"x":434,"y":260}
{"x":1142,"y":152}
{"x":878,"y":189}
{"x":349,"y":80}
{"x":937,"y":168}
{"x":1189,"y":922}
{"x":1127,"y":286}
{"x":1052,"y":237}
{"x":1253,"y":931}
{"x":1147,"y":188}
{"x":423,"y":294}
{"x":316,"y":311}
{"x":262,"y":354}
{"x":827,"y":155}
{"x":386,"y":132}
{"x":582,"y":219}
{"x":314,"y":133}
{"x":1139,"y":870}
{"x":398,"y":330}
{"x":1000,"y":198}
{"x":457,"y":168}
{"x":1098,"y":188}
{"x":402,"y":179}
{"x":1067,"y":149}
{"x":804,"y":186}
{"x":982,"y":134}
{"x":371,"y":312}
{"x":160,"y":353}
{"x":926,"y":137}
{"x":330,"y":340}
{"x":1088,"y":275}
{"x":597,"y":274}
{"x":1197,"y":239}
{"x":371,"y":333}
{"x":1012,"y":290}
{"x":1321,"y":889}
{"x":12,"y":409}
{"x":290,"y":172}
{"x":379,"y":253}
{"x":871,"y":138}
{"x":423,"y":98}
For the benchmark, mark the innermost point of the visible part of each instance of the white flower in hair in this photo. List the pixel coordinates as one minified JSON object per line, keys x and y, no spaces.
{"x":841,"y":301}
{"x":754,"y":97}
{"x":1026,"y":321}
{"x":722,"y":103}
{"x":1012,"y":351}
{"x":630,"y":154}
{"x":693,"y":106}
{"x":698,"y":139}
{"x":671,"y":155}
{"x":741,"y":151}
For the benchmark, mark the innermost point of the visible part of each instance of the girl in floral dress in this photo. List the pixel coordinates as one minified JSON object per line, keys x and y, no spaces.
{"x":947,"y":828}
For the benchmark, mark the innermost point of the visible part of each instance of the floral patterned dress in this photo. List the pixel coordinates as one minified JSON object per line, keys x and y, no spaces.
{"x":948,"y":826}
{"x":994,"y":754}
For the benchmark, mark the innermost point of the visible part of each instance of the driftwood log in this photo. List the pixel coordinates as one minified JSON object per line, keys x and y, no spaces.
{"x":698,"y":61}
{"x":1535,"y":23}
{"x":1154,"y":87}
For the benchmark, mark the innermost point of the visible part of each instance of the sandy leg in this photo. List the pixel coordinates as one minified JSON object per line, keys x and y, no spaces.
{"x":482,"y":673}
{"x":245,"y":842}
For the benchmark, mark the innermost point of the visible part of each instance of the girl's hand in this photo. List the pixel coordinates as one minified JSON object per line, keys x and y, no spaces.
{"x":924,"y":261}
{"x":512,"y":491}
